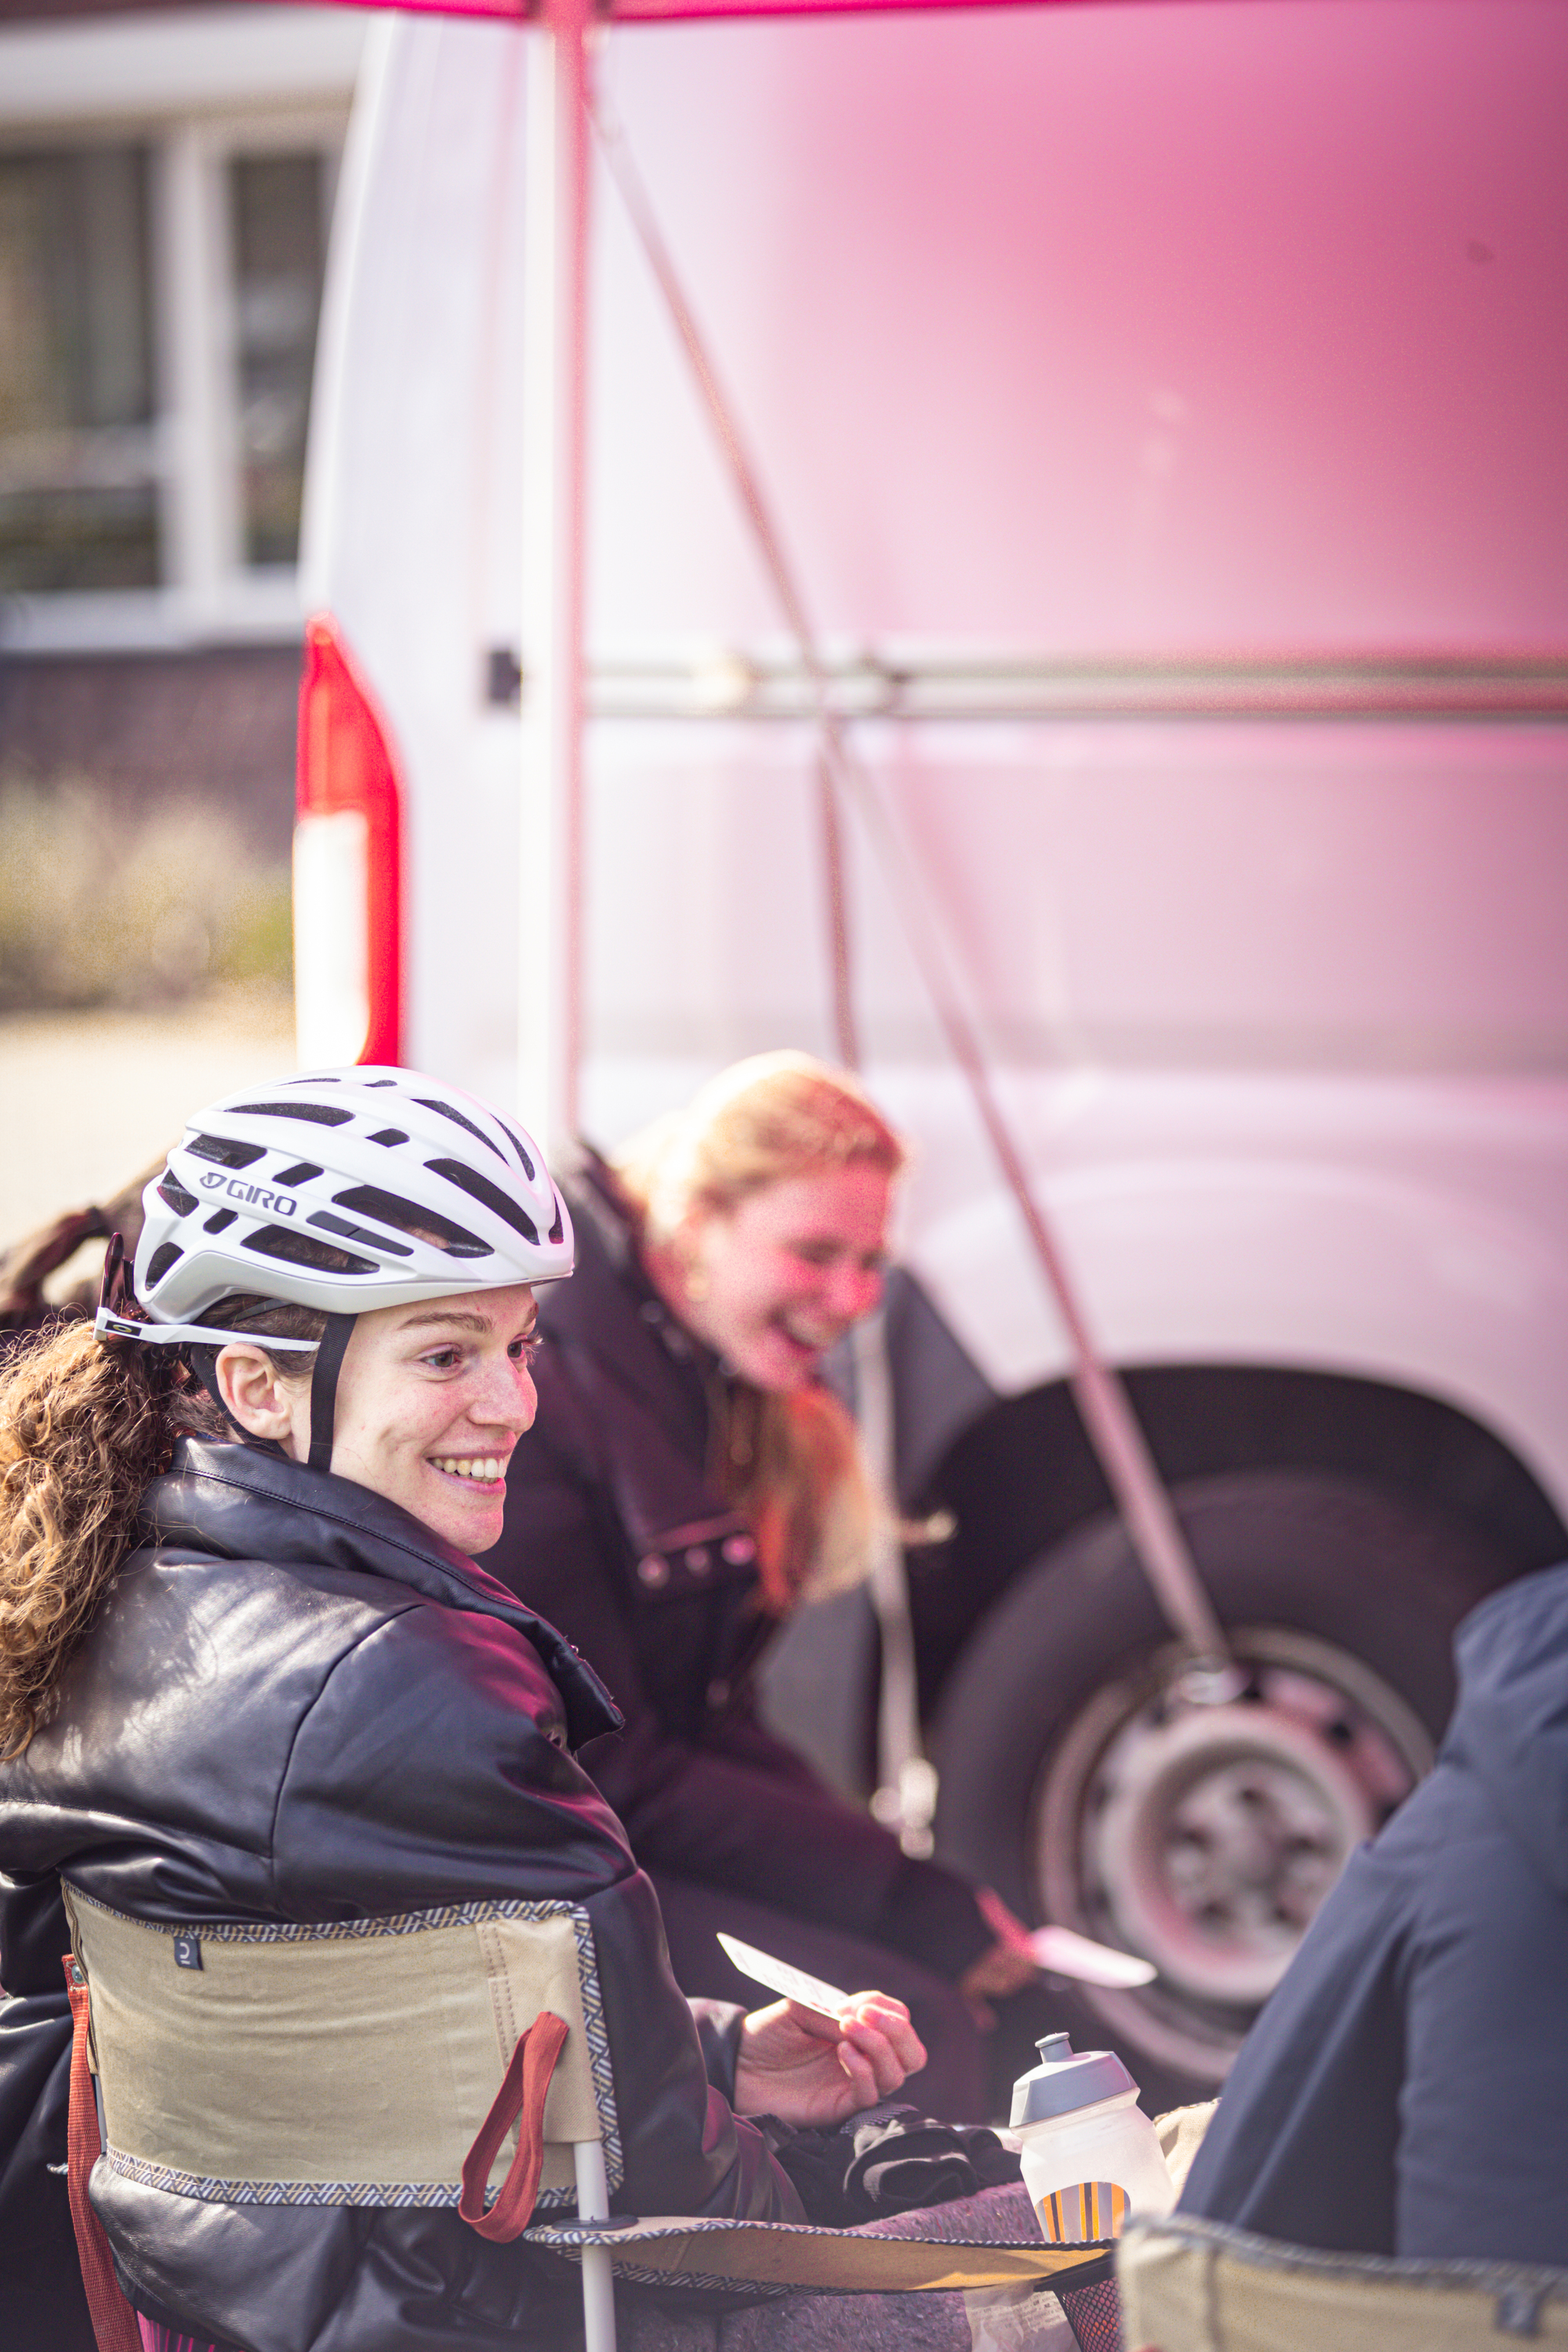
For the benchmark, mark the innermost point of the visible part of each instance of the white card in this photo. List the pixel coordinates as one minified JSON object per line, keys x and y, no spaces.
{"x":1069,"y":1954}
{"x":778,"y":1976}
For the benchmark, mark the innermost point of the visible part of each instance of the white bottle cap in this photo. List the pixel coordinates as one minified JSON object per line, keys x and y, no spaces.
{"x":1065,"y":2080}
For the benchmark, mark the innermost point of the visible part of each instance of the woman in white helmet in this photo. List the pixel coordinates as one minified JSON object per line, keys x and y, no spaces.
{"x":256,"y":1694}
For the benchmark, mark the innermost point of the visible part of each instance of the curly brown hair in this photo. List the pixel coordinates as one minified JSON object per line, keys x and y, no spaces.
{"x":84,"y":1429}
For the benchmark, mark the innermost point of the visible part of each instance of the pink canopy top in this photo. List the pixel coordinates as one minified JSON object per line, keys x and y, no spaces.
{"x":636,"y":11}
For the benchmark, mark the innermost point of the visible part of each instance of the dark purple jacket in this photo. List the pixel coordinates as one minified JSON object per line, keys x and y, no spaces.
{"x":613,"y":1533}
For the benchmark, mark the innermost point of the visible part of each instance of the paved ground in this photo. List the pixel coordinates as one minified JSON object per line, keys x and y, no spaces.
{"x":87,"y":1100}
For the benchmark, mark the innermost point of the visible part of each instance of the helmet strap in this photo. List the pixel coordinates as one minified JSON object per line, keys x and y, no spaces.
{"x":324,"y":1387}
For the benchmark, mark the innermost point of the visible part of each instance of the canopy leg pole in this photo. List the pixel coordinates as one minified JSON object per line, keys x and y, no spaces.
{"x":549,"y":922}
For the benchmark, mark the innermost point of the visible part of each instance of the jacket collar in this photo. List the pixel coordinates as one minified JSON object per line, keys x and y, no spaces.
{"x":242,"y":1504}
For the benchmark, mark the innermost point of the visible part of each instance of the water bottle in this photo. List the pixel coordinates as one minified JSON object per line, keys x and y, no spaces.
{"x":1089,"y":2156}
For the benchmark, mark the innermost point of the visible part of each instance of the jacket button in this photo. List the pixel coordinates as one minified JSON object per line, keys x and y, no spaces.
{"x":653,"y":1570}
{"x":738,"y":1549}
{"x":699,"y":1559}
{"x":718,"y":1695}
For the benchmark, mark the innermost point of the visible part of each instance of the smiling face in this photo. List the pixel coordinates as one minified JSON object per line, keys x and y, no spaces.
{"x":774,"y":1282}
{"x":431,"y":1400}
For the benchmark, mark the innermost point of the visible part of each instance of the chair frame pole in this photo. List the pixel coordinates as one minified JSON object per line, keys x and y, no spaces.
{"x":598,"y":2275}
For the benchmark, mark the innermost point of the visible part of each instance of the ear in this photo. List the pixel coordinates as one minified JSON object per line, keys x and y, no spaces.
{"x":253,"y":1393}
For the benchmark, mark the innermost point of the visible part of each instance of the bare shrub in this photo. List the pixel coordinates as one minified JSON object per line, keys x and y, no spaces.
{"x":99,"y":907}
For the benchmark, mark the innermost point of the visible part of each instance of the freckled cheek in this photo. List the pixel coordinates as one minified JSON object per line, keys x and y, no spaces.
{"x":422,"y":1448}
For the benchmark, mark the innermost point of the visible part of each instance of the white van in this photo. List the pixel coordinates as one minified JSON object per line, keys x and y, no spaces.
{"x":1163,"y":408}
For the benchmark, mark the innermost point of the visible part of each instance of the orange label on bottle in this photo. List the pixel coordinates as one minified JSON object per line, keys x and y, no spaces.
{"x":1088,"y":2210}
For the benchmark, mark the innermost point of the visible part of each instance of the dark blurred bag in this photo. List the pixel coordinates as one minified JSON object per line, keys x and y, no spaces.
{"x":888,"y":2159}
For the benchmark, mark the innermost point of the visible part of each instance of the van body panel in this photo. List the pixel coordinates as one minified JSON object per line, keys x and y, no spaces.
{"x":1280,"y":1007}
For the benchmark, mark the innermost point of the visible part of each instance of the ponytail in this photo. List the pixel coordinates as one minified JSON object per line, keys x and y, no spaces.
{"x":83,"y":1431}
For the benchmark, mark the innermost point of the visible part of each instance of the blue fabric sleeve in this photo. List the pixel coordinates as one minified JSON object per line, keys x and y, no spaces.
{"x":1483,"y":2165}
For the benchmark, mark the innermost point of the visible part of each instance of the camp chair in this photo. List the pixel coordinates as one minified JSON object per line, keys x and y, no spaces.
{"x":272,"y":2062}
{"x":1189,"y":2285}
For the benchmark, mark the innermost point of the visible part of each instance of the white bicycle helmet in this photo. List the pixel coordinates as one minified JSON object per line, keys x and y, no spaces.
{"x":344,"y":1190}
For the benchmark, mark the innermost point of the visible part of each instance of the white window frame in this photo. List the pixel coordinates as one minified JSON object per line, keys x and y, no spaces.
{"x":194,"y":276}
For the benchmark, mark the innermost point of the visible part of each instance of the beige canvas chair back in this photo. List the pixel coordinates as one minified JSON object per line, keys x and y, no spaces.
{"x":1194,"y":2286}
{"x":347,"y":2063}
{"x":354,"y":2061}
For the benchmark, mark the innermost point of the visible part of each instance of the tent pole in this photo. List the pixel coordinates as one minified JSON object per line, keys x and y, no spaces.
{"x":555,"y":305}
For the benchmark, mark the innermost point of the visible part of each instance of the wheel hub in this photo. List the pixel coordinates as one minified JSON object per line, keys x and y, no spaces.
{"x":1216,"y":1834}
{"x":1204,"y":1831}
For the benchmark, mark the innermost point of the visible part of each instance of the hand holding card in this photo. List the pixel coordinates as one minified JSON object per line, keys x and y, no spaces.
{"x":820,"y":2055}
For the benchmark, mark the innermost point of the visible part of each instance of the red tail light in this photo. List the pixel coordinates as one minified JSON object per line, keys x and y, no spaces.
{"x":348,"y":865}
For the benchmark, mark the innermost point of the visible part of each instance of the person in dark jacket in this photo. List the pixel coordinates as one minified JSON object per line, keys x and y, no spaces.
{"x":1405,"y":2089}
{"x":264,"y":1685}
{"x":690,"y":1482}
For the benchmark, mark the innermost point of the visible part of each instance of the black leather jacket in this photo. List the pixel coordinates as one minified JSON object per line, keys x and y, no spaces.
{"x":614,"y":1532}
{"x":299,"y":1704}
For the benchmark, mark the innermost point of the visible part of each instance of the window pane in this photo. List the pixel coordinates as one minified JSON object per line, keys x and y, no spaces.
{"x":277,"y":209}
{"x":79,"y":505}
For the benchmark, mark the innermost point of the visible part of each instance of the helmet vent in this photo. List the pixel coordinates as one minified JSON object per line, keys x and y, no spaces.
{"x":174,"y":1194}
{"x":410,"y":1217}
{"x":162,"y":1258}
{"x":319,"y":1114}
{"x":558,"y":1230}
{"x":448,"y":1110}
{"x":389,"y":1136}
{"x":225,"y":1151}
{"x":220,"y":1221}
{"x":301,"y":1173}
{"x":479,"y":1188}
{"x":516,"y":1142}
{"x":298,"y":1249}
{"x":325,"y":1219}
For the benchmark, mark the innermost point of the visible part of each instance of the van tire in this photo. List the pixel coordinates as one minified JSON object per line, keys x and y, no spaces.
{"x":1345,"y":1573}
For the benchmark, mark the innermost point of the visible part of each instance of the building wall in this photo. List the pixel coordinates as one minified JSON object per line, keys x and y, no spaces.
{"x":213,"y":723}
